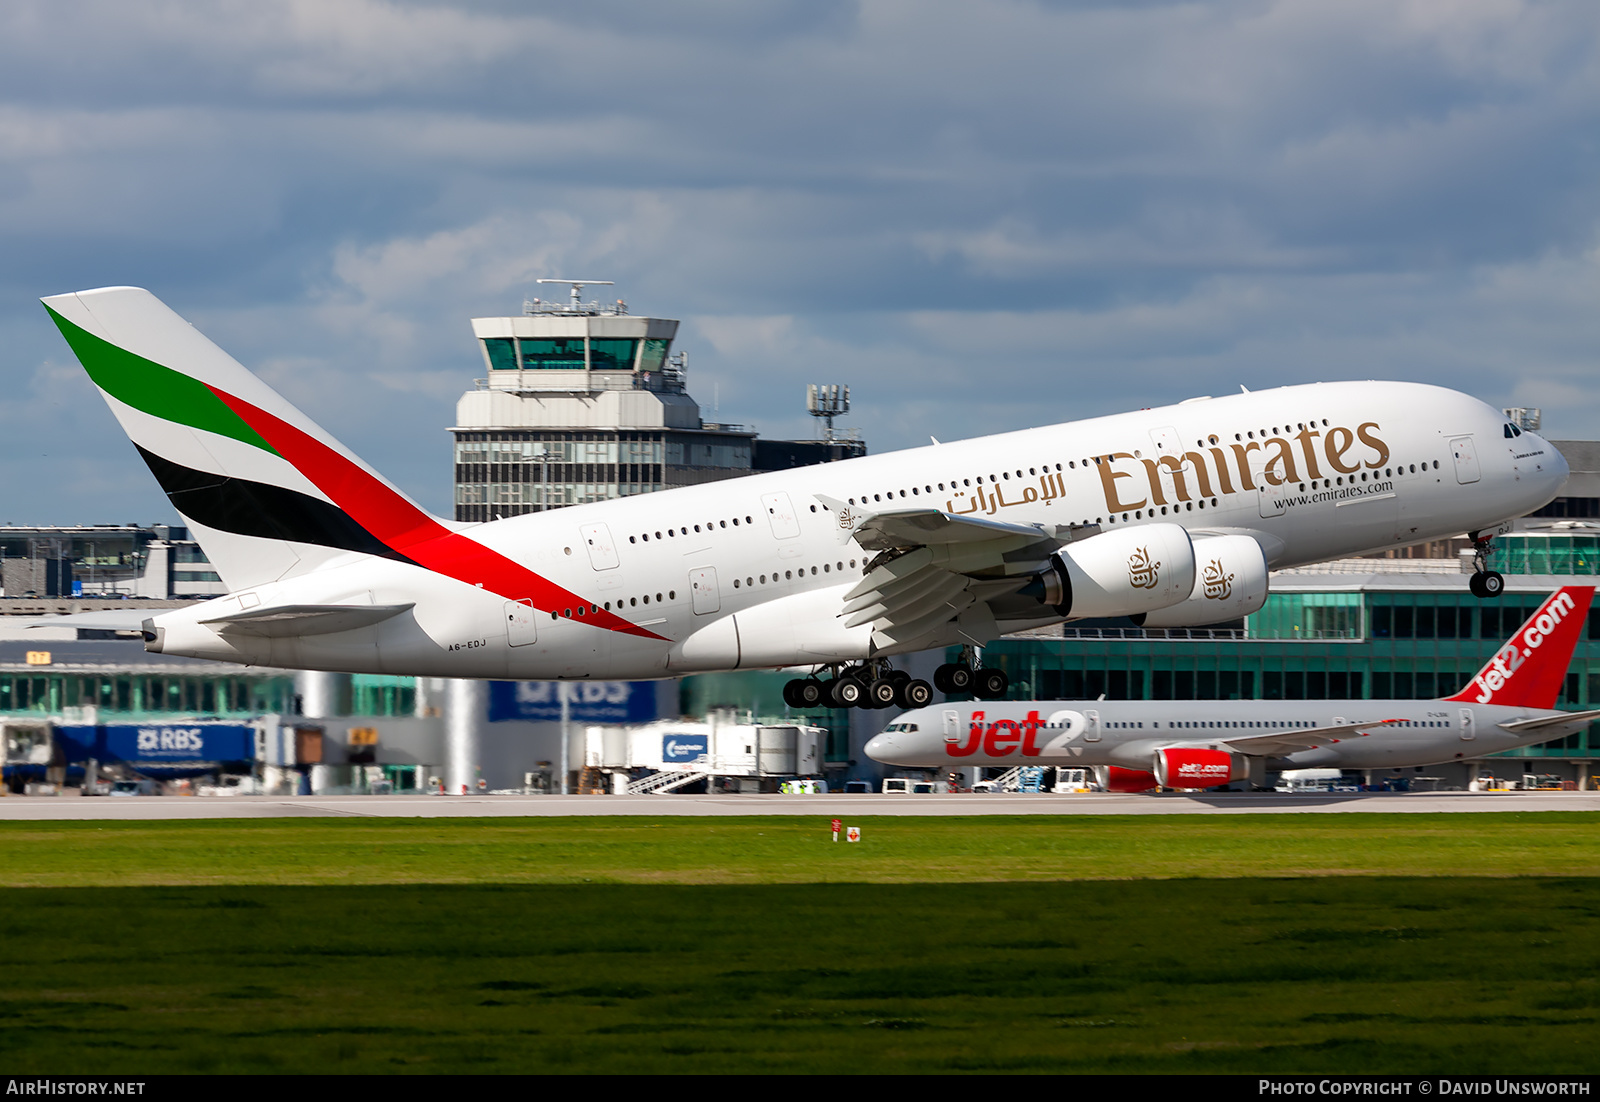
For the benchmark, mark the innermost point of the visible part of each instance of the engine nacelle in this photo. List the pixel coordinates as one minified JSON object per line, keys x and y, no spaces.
{"x":1114,"y":778}
{"x":1230,"y":583}
{"x":1121,"y":573}
{"x":1188,"y":767}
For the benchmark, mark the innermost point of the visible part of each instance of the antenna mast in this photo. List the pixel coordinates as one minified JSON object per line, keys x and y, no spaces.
{"x":827,"y":400}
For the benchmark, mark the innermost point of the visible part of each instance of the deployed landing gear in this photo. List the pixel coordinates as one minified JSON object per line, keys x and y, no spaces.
{"x":953,"y":679}
{"x":991,"y":684}
{"x":1485,"y":583}
{"x":804,"y":693}
{"x":971,"y":676}
{"x":871,"y":685}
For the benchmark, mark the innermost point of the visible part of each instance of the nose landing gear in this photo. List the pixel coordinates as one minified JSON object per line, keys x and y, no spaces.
{"x":1485,"y":583}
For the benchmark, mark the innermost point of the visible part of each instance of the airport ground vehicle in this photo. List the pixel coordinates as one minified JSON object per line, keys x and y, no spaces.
{"x":1171,"y":516}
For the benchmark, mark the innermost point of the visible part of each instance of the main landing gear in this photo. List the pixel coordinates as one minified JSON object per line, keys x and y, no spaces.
{"x":876,"y":684}
{"x":970,"y":676}
{"x":873,"y":684}
{"x":1485,"y":583}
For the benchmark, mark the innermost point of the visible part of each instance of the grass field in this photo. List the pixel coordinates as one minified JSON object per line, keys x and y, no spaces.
{"x":1317,"y":943}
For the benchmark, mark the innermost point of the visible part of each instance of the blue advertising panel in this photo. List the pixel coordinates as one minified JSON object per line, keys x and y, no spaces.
{"x":80,"y":742}
{"x":588,"y":701}
{"x":684,"y":748}
{"x":159,"y":743}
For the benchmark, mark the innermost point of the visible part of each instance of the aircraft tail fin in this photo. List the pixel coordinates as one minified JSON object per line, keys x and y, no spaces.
{"x":1527,"y":671}
{"x":267,"y":492}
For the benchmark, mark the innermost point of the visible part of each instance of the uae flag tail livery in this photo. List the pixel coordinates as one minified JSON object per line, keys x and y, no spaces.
{"x":1528,"y":670}
{"x":269,"y":494}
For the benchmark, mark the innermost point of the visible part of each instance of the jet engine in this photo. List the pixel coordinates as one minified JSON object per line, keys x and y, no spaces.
{"x":1230,"y":582}
{"x":1114,"y":778}
{"x":1189,"y":767}
{"x":1120,"y":573}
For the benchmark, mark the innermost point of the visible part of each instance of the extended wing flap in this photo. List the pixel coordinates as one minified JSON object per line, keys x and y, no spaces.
{"x":305,"y":619}
{"x":1278,"y":743}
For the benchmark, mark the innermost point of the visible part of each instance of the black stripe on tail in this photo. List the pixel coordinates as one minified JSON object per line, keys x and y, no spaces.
{"x":259,"y":509}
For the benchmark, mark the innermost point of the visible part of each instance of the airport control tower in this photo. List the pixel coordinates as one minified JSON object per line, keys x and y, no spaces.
{"x":582,"y":402}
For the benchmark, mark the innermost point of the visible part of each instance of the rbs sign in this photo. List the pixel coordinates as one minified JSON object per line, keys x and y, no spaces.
{"x":187,"y":739}
{"x":587,"y":701}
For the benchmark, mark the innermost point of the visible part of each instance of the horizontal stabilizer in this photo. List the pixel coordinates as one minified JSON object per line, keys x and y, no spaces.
{"x":1565,"y":719}
{"x":305,"y":619}
{"x":113,"y":619}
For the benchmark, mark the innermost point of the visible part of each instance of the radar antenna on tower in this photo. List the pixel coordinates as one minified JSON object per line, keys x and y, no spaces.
{"x":827,"y":400}
{"x":576,"y":305}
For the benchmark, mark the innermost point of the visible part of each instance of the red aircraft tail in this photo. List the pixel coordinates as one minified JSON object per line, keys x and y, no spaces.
{"x":1527,"y":671}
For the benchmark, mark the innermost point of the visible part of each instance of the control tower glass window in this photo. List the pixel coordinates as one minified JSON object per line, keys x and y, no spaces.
{"x":502,"y":353}
{"x":563,"y":353}
{"x":608,"y":354}
{"x":655,"y":351}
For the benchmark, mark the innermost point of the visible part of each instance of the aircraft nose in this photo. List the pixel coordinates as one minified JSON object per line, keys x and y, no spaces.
{"x":879,"y":747}
{"x":1558,"y":468}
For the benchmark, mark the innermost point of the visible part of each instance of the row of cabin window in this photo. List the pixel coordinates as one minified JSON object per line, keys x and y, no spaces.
{"x":788,"y":575}
{"x":672,"y":594}
{"x":631,"y":602}
{"x":684,"y":531}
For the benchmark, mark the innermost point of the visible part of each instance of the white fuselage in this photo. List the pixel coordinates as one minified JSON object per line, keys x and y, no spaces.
{"x":750,"y":573}
{"x":1128,"y":733}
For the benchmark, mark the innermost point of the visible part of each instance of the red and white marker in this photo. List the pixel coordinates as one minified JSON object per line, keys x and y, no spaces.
{"x":853,"y":834}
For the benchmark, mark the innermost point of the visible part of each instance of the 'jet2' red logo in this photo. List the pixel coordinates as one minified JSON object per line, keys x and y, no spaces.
{"x":999,"y":739}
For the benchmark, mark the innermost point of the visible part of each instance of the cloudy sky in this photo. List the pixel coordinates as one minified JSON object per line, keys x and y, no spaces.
{"x":982,"y":216}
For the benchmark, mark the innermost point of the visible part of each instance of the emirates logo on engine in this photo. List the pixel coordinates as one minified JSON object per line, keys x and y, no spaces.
{"x":1219,"y":585}
{"x":1142,"y":573}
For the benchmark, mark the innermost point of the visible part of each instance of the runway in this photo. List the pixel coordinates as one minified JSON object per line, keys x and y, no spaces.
{"x":149,"y":808}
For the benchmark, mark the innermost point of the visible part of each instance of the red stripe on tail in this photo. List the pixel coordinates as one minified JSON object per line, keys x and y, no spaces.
{"x":1528,"y":670}
{"x":407,"y":529}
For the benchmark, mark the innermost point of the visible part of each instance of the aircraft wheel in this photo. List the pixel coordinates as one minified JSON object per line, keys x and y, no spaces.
{"x":1493,"y":584}
{"x":846,"y":692}
{"x":1475,"y":586}
{"x":810,"y":693}
{"x":953,"y":678}
{"x":913,"y":694}
{"x":880,"y":694}
{"x":991,"y":684}
{"x":791,"y":696}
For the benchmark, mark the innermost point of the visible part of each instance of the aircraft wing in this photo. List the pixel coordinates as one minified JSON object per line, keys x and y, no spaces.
{"x":897,"y":528}
{"x":933,"y":566}
{"x":1279,"y":743}
{"x":1525,"y":726}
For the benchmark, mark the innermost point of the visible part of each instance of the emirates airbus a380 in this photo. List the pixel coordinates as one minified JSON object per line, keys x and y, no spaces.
{"x":1171,"y":516}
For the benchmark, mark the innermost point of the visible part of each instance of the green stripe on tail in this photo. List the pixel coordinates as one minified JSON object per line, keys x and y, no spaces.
{"x":151,"y":388}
